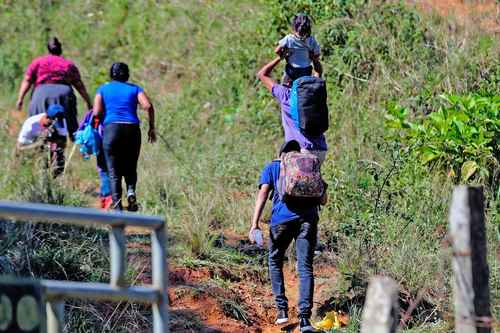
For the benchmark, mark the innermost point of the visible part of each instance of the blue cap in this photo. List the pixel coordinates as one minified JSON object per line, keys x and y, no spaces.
{"x":55,"y":111}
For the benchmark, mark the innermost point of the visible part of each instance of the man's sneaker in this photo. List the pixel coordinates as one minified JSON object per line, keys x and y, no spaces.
{"x":282,"y":317}
{"x":132,"y":202}
{"x":305,"y":326}
{"x":318,"y":249}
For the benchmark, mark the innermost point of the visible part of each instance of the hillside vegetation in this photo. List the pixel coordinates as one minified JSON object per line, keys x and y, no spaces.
{"x":414,"y":103}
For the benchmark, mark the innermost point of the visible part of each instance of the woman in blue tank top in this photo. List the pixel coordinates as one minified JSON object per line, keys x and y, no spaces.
{"x":116,"y":104}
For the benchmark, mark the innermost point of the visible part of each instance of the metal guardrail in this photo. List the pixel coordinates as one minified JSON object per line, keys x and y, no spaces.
{"x":118,"y":290}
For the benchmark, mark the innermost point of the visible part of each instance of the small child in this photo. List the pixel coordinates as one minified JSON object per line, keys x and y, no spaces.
{"x":105,"y":200}
{"x":300,"y":49}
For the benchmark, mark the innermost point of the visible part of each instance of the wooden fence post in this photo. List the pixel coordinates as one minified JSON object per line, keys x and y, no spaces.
{"x":470,"y":267}
{"x":381,"y":310}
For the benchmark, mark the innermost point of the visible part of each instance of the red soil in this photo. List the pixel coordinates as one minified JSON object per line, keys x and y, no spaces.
{"x":195,"y":300}
{"x":256,"y":298}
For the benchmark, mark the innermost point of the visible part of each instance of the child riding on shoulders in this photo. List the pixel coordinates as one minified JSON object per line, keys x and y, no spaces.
{"x":299,"y":49}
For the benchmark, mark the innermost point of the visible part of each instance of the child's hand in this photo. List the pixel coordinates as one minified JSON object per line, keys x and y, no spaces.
{"x":95,"y":121}
{"x":283,"y":52}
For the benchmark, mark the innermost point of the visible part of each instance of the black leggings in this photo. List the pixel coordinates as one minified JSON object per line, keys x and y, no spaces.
{"x":122,"y":145}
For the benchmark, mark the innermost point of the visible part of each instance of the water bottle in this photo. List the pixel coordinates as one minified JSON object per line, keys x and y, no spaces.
{"x":257,"y":236}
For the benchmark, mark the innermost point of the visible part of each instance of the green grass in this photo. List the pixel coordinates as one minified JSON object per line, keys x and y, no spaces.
{"x":387,"y":214}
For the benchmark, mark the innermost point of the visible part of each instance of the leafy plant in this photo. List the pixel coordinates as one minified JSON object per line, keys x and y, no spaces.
{"x":460,"y":137}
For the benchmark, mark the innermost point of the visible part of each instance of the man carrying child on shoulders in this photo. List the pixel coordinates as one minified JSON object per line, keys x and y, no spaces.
{"x":296,"y":188}
{"x":314,"y":142}
{"x":294,"y":180}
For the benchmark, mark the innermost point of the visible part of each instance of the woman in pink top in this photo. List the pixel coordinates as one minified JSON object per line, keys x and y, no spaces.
{"x":52,"y":78}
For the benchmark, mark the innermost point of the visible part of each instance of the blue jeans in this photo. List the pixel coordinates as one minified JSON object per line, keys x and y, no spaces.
{"x":102,"y":169}
{"x":281,"y":235}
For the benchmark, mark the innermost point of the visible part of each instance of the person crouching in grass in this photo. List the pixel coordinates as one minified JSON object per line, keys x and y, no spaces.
{"x":46,"y":128}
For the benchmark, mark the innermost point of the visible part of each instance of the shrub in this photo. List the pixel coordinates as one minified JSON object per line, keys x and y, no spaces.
{"x":460,"y":137}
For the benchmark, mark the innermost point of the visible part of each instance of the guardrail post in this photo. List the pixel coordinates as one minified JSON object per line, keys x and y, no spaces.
{"x":55,"y":316}
{"x":381,"y":310}
{"x":470,"y":266}
{"x":160,"y":279}
{"x":118,"y":252}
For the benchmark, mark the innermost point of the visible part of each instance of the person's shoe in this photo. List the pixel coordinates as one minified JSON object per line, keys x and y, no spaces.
{"x":282,"y":317}
{"x":132,"y":201}
{"x":101,"y":202}
{"x":306,"y":326}
{"x":107,"y":202}
{"x":318,"y":249}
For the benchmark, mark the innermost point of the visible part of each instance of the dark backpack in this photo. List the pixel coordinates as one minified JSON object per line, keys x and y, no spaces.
{"x":308,"y":105}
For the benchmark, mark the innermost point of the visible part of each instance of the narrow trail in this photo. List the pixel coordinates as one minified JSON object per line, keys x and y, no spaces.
{"x":325,"y":280}
{"x":197,"y":295}
{"x":257,"y":299}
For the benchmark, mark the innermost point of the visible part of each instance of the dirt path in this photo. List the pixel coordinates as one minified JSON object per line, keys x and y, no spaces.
{"x":203,"y":300}
{"x":187,"y":300}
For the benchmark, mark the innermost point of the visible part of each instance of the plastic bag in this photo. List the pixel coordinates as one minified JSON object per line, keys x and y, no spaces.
{"x":257,"y":236}
{"x":332,"y":319}
{"x":89,"y":140}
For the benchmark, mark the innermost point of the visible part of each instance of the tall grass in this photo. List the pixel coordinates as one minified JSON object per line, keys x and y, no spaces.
{"x":218,"y":126}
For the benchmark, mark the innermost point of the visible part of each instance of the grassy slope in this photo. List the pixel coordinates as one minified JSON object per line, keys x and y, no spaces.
{"x":197,"y":61}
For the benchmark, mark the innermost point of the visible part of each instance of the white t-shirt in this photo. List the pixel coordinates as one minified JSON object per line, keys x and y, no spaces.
{"x":32,"y":128}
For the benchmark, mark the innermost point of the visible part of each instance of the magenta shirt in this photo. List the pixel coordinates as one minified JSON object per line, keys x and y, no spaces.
{"x":52,"y":69}
{"x":282,"y":94}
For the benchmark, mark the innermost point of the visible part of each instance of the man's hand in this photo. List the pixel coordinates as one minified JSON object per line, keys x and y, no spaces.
{"x":251,"y":233}
{"x":151,"y":135}
{"x":283,"y":52}
{"x":260,"y":202}
{"x":264,"y":74}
